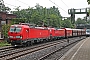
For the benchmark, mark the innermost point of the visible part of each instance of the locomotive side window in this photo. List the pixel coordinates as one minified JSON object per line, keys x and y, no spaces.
{"x":15,"y":29}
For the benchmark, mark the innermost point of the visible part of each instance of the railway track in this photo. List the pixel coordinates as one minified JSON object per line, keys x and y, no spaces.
{"x":14,"y":53}
{"x":21,"y":52}
{"x":6,"y":48}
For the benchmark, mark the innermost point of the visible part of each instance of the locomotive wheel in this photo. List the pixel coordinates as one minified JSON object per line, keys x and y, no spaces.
{"x":51,"y":38}
{"x":35,"y":41}
{"x":44,"y":40}
{"x":28,"y":43}
{"x":31,"y":43}
{"x":24,"y":45}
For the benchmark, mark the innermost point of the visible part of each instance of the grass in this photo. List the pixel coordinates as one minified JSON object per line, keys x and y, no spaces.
{"x":4,"y":43}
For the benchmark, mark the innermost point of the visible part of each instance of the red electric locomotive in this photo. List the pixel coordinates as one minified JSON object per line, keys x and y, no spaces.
{"x":22,"y":34}
{"x":57,"y":33}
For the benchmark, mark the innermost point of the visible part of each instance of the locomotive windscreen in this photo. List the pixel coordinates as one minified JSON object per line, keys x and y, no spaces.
{"x":15,"y":29}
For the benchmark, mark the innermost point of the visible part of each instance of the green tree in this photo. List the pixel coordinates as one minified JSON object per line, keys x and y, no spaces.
{"x":5,"y":29}
{"x":40,"y":15}
{"x":88,"y":1}
{"x":18,"y":20}
{"x":3,"y":7}
{"x":80,"y":21}
{"x":66,"y":23}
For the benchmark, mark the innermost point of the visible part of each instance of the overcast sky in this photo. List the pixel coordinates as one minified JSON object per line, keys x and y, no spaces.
{"x":63,"y":5}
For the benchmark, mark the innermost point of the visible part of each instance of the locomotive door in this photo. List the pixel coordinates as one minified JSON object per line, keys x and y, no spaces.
{"x":27,"y":33}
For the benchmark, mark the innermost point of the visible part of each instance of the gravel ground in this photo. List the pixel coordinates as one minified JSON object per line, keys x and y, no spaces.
{"x":38,"y":54}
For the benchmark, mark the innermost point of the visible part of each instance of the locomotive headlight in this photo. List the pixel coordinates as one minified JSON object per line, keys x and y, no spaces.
{"x":10,"y":36}
{"x":19,"y":37}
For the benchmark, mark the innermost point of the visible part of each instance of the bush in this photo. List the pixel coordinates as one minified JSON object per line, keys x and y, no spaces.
{"x":5,"y":29}
{"x":4,"y":43}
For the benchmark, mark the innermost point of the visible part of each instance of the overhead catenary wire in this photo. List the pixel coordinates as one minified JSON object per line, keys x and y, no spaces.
{"x":11,"y":5}
{"x":23,"y":2}
{"x":58,"y":6}
{"x":49,"y":0}
{"x":17,"y":6}
{"x":65,"y":3}
{"x":28,"y":5}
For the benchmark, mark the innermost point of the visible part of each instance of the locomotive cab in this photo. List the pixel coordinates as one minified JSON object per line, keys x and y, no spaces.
{"x":16,"y":33}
